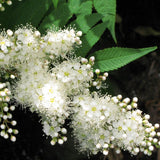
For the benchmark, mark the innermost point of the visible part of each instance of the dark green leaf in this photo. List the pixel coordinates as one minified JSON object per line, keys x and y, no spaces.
{"x":91,"y":38}
{"x":113,"y":58}
{"x":58,"y":17}
{"x":27,"y":11}
{"x":85,"y":22}
{"x":108,"y":9}
{"x":55,"y":3}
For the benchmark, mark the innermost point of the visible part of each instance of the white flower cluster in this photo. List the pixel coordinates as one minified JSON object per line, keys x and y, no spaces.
{"x":61,"y":42}
{"x":58,"y":86}
{"x":2,"y":2}
{"x":6,"y":122}
{"x":48,"y":94}
{"x":75,"y":75}
{"x":38,"y":88}
{"x":111,"y":123}
{"x":26,"y":44}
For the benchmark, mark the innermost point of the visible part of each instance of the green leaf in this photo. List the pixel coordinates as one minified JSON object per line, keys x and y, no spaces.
{"x":27,"y":11}
{"x":113,"y":58}
{"x":58,"y":17}
{"x":55,"y":3}
{"x":80,"y":6}
{"x":74,"y":6}
{"x":85,"y":8}
{"x":90,"y":39}
{"x":63,"y":13}
{"x":85,"y":22}
{"x":108,"y":9}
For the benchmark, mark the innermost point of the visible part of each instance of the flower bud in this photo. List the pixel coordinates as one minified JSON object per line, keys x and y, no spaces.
{"x":60,"y":141}
{"x":105,"y":152}
{"x":9,"y":32}
{"x":79,"y":33}
{"x":97,"y":71}
{"x":13,"y":138}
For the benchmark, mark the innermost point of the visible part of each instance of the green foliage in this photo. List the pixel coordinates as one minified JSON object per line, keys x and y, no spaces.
{"x":74,"y":5}
{"x":113,"y":58}
{"x":85,"y":8}
{"x":108,"y":9}
{"x":86,"y":22}
{"x":55,"y":3}
{"x":64,"y":12}
{"x":58,"y":17}
{"x":92,"y":17}
{"x":27,"y":11}
{"x":91,"y":38}
{"x":80,"y":6}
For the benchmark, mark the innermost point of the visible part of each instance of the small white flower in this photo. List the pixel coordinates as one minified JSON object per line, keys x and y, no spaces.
{"x":60,"y":141}
{"x":13,"y":138}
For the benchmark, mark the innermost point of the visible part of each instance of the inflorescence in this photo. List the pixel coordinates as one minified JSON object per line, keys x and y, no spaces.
{"x":6,"y":122}
{"x":57,"y":85}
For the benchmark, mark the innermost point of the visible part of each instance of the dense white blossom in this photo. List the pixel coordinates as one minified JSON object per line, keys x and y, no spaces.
{"x":108,"y":124}
{"x":18,"y":47}
{"x":52,"y":82}
{"x":91,"y":130}
{"x":74,"y":75}
{"x":38,"y":89}
{"x":61,"y":42}
{"x":26,"y":43}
